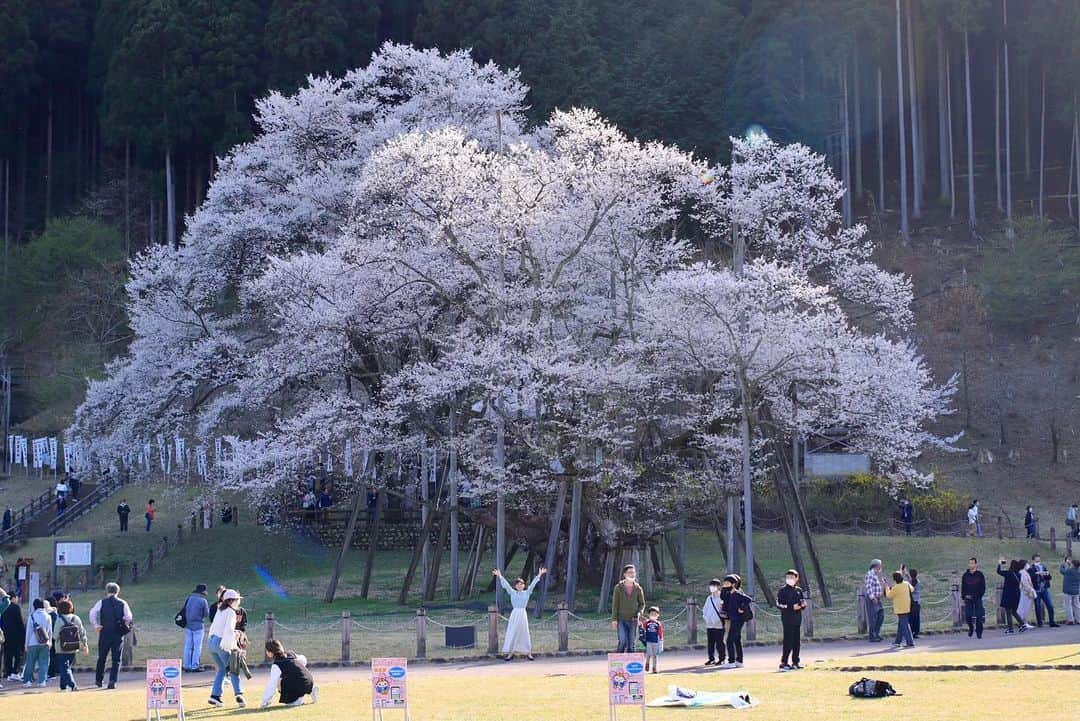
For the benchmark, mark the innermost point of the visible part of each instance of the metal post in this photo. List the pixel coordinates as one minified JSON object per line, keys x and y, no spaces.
{"x":564,"y":628}
{"x":421,"y":633}
{"x":493,"y":629}
{"x":691,"y":622}
{"x":346,"y":635}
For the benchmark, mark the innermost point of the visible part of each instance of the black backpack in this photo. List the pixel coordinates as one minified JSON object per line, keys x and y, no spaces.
{"x":869,"y":688}
{"x":68,"y":641}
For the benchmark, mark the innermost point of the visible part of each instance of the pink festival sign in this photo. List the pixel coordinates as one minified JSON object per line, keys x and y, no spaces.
{"x":626,"y":679}
{"x":389,"y":683}
{"x":163,"y":677}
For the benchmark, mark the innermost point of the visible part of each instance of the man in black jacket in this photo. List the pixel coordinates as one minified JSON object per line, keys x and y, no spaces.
{"x":111,"y":617}
{"x":972,"y":590}
{"x":123,"y":511}
{"x":791,"y":601}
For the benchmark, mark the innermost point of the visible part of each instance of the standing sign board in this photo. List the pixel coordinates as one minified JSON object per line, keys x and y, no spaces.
{"x":626,"y":681}
{"x":163,"y":677}
{"x":389,"y":685}
{"x":34,"y":586}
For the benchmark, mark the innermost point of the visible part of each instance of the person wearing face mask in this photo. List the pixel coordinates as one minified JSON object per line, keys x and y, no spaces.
{"x":627,"y":605}
{"x":739,"y":608}
{"x":972,"y":590}
{"x":791,"y":601}
{"x":712,"y":610}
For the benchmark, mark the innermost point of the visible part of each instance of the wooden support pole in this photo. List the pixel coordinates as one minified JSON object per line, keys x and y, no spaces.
{"x":346,"y":635}
{"x":808,"y":617}
{"x":862,"y":623}
{"x":421,"y":633}
{"x":691,"y":622}
{"x":564,"y":628}
{"x":269,"y":625}
{"x":493,"y":629}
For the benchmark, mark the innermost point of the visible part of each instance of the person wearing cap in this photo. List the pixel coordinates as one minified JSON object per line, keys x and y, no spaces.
{"x":196,"y":611}
{"x":222,"y":644}
{"x":739,"y":608}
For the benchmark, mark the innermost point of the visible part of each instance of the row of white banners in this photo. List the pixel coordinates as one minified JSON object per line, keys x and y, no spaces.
{"x":171,"y":456}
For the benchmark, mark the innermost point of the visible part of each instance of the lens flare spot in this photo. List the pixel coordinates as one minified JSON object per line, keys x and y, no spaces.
{"x":755,"y":133}
{"x":270,"y":582}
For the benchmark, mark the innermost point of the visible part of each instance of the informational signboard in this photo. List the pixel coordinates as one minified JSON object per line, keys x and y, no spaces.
{"x":626,"y":681}
{"x":163,"y":678}
{"x":389,"y":685}
{"x":73,"y":553}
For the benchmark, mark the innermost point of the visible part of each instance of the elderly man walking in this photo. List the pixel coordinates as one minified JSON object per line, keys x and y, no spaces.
{"x":873,"y":590}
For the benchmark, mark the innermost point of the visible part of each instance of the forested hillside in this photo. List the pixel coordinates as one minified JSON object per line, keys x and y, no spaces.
{"x":952,"y":122}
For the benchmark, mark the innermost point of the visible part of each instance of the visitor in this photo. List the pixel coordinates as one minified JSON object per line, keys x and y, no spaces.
{"x":1010,"y":593}
{"x":1031,"y":523}
{"x":69,"y":636}
{"x":74,"y":484}
{"x":712,"y":610}
{"x":54,"y":663}
{"x":907,"y":515}
{"x":111,"y":617}
{"x":972,"y":590}
{"x":324,"y":503}
{"x":973,"y":519}
{"x":791,"y":601}
{"x":223,"y":643}
{"x":227,"y":515}
{"x":307,"y":503}
{"x":652,"y":635}
{"x":738,"y":607}
{"x":1040,"y":579}
{"x":217,"y":600}
{"x":517,"y":638}
{"x":912,"y":577}
{"x":1027,"y":594}
{"x":122,"y":512}
{"x":1071,"y":514}
{"x":1070,"y":590}
{"x":11,"y":624}
{"x":3,"y":572}
{"x":195,"y":611}
{"x":9,"y":516}
{"x":627,"y":605}
{"x":151,"y":513}
{"x":38,"y":640}
{"x":899,"y":592}
{"x":289,"y":676}
{"x":873,"y":589}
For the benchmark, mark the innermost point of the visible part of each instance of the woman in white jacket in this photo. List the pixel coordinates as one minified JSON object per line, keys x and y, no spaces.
{"x":222,"y":644}
{"x":1027,"y":596}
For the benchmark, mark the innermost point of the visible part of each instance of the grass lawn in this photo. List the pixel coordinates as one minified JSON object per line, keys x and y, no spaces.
{"x":808,"y":696}
{"x":286,"y":573}
{"x":19,"y":489}
{"x":1055,"y":655}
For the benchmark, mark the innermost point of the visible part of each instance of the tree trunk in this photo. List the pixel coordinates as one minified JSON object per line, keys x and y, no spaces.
{"x":552,"y":545}
{"x":339,"y":564}
{"x":436,"y":556}
{"x":943,"y":118}
{"x":426,"y":474}
{"x":949,"y":135}
{"x":1042,"y":145}
{"x":455,"y":590}
{"x":1076,"y":161}
{"x":373,"y":541}
{"x":1008,"y":121}
{"x":904,"y":231}
{"x":1026,"y":104}
{"x":7,"y":208}
{"x":500,"y":503}
{"x":997,"y":130}
{"x":414,"y":561}
{"x":880,"y":143}
{"x":48,"y":161}
{"x":676,"y":559}
{"x":916,"y":139}
{"x":127,"y":196}
{"x":606,"y":581}
{"x":170,"y":202}
{"x":759,"y":575}
{"x":845,"y":154}
{"x":789,"y":531}
{"x":970,"y":137}
{"x":574,"y":545}
{"x":857,"y":87}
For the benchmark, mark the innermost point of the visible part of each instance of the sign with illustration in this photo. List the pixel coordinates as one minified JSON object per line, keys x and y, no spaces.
{"x":163,"y":678}
{"x":626,"y":679}
{"x":390,"y":684}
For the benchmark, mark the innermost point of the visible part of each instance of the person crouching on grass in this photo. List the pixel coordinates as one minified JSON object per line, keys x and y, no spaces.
{"x":289,"y":676}
{"x":791,"y":602}
{"x":652,"y":635}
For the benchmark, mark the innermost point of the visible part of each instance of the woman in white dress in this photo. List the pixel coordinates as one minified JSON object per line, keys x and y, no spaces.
{"x":517,"y":638}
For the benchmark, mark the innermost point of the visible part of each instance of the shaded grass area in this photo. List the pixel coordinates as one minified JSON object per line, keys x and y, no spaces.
{"x":1059,"y":654}
{"x":285,"y":573}
{"x":809,"y":696}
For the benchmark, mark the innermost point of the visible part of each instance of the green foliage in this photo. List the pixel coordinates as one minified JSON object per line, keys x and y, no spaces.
{"x":871,"y":498}
{"x":1026,"y":276}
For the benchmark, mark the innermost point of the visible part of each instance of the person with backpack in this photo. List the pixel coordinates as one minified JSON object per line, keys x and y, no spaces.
{"x":223,"y":642}
{"x":70,"y":638}
{"x":191,"y":618}
{"x":289,"y":676}
{"x":900,"y":594}
{"x":712,"y":611}
{"x":739,"y":610}
{"x":111,"y":617}
{"x":54,"y":600}
{"x":791,"y":601}
{"x":972,"y":590}
{"x":38,"y":640}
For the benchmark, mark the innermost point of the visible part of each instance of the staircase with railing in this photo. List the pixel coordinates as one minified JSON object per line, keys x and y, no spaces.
{"x":23,"y":518}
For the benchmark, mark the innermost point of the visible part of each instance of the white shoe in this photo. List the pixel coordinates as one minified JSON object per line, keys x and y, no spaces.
{"x":314,"y":694}
{"x":1028,"y":627}
{"x":43,"y":684}
{"x":27,"y":684}
{"x":727,"y":666}
{"x":738,"y":664}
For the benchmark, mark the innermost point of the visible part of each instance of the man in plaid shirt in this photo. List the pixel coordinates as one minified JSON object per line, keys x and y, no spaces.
{"x":873,"y":590}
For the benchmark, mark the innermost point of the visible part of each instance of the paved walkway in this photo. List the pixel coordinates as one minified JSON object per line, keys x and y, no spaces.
{"x":758,"y":658}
